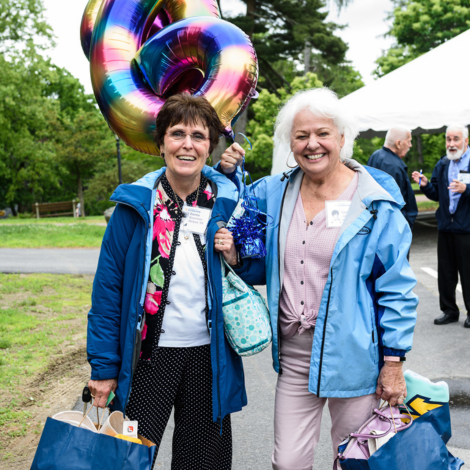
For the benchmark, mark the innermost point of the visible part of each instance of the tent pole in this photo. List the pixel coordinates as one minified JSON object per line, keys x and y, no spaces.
{"x":420,"y":149}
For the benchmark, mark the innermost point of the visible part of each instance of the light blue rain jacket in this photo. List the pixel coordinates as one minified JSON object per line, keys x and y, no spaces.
{"x":368,"y":309}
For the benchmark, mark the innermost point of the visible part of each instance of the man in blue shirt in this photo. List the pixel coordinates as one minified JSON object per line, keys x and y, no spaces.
{"x":450,"y":185}
{"x":390,"y":160}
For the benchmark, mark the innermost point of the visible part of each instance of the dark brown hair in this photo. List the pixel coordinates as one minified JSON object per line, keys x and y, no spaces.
{"x":188,"y":109}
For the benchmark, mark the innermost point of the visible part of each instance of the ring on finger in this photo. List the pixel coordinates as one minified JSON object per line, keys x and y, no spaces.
{"x":220,"y":242}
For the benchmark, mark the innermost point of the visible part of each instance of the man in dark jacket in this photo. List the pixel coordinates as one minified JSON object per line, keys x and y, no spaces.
{"x":450,"y":185}
{"x":390,"y":160}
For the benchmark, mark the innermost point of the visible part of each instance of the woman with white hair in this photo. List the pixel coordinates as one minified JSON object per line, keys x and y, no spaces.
{"x":339,"y":292}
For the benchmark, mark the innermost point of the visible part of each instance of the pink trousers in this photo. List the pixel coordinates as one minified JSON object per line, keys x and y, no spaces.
{"x":297,"y":414}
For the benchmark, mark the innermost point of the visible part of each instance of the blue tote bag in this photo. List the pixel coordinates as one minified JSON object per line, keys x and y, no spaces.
{"x":422,"y":446}
{"x":66,"y":447}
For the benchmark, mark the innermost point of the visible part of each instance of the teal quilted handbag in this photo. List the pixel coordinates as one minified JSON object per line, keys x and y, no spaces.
{"x":246,"y":316}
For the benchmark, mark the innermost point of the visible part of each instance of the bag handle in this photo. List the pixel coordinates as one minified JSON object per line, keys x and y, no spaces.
{"x":98,"y":414}
{"x":391,"y":421}
{"x":223,"y":262}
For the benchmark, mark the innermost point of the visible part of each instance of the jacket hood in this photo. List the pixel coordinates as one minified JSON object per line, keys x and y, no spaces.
{"x":374,"y":185}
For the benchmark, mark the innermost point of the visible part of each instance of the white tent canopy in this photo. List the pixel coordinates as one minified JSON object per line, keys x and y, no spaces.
{"x":424,"y":95}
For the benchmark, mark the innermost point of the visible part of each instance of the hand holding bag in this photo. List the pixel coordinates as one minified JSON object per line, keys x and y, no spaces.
{"x":66,"y":446}
{"x":246,"y":316}
{"x":377,"y":431}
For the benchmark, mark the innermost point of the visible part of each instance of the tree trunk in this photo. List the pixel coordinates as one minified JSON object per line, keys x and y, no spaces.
{"x":240,"y":127}
{"x":250,"y":10}
{"x":219,"y":150}
{"x":80,"y":192}
{"x":419,"y":146}
{"x":13,"y":209}
{"x":307,"y":55}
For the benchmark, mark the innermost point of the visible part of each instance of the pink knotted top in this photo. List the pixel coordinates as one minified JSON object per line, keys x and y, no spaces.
{"x":307,"y":258}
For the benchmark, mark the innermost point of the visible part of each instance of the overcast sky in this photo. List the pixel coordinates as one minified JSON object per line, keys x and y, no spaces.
{"x":366,"y":20}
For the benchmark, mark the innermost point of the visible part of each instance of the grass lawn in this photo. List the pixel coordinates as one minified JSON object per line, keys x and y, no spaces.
{"x":49,"y":235}
{"x":96,"y":219}
{"x":427,"y":206}
{"x":42,"y":321}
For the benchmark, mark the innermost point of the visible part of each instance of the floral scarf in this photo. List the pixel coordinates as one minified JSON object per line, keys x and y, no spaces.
{"x":168,"y":214}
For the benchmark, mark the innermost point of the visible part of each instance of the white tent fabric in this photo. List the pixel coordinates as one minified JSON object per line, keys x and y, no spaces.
{"x":424,"y":95}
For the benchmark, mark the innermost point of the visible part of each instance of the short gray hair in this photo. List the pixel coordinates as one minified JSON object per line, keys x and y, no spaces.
{"x":396,"y":133}
{"x":460,"y":128}
{"x":321,"y":102}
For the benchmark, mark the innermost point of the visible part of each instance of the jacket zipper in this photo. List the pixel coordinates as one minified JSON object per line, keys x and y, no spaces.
{"x":324,"y":335}
{"x":219,"y":417}
{"x":279,"y":271}
{"x":137,"y":306}
{"x":214,"y":322}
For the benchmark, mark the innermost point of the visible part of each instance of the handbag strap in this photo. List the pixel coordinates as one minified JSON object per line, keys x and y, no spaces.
{"x":391,"y":420}
{"x":222,"y":263}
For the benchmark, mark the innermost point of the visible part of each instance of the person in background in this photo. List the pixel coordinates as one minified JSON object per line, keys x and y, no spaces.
{"x":450,"y":186}
{"x":390,"y":159}
{"x":340,"y":295}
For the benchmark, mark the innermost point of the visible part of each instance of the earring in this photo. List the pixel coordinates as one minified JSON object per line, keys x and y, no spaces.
{"x":162,"y":155}
{"x":287,"y":161}
{"x":209,"y":160}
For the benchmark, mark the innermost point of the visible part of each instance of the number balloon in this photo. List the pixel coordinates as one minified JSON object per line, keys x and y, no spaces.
{"x":143,"y":51}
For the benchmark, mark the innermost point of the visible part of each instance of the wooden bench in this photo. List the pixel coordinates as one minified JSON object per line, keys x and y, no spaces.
{"x":58,"y":209}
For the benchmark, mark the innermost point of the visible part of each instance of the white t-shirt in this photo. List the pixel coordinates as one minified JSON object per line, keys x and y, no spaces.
{"x":184,"y":321}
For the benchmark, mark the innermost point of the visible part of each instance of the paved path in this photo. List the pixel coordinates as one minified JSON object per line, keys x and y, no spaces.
{"x":55,"y":261}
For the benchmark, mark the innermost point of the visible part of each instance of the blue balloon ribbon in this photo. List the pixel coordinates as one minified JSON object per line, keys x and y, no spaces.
{"x":247,"y":229}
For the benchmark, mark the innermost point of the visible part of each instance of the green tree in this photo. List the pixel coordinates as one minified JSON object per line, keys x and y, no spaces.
{"x":280,"y":30}
{"x":105,"y":179}
{"x":23,"y":25}
{"x":82,"y":141}
{"x":260,"y":129}
{"x":342,"y":78}
{"x":421,"y":25}
{"x":27,"y":164}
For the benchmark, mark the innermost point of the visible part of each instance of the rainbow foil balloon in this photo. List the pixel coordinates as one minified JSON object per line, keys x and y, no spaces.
{"x":143,"y":51}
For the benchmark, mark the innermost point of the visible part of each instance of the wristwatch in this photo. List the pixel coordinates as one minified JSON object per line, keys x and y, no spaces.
{"x":394,"y":358}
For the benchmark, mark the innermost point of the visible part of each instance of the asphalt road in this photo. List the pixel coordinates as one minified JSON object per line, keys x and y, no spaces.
{"x":44,"y":260}
{"x":439,"y":352}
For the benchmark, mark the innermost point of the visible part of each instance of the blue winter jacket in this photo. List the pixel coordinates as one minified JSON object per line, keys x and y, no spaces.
{"x":115,"y":318}
{"x":368,"y":309}
{"x":386,"y":160}
{"x":436,"y":190}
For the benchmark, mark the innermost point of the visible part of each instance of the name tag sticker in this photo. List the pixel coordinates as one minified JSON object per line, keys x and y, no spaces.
{"x":195,"y":219}
{"x":336,"y":212}
{"x":464,"y":178}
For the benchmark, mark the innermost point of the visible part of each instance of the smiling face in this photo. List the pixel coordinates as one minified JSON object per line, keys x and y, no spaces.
{"x":456,"y":145}
{"x":316,"y":144}
{"x":186,"y":149}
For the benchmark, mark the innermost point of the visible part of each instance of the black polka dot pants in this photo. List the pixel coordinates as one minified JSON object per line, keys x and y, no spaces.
{"x":181,"y":378}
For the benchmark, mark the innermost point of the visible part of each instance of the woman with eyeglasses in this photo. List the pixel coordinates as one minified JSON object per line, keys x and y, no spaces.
{"x":155,"y":329}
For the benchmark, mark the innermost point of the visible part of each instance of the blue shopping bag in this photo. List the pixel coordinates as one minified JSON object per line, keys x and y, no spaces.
{"x":66,"y":447}
{"x":422,"y":446}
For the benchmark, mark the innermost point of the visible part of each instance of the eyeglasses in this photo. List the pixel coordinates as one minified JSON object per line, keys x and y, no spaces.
{"x":179,"y":136}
